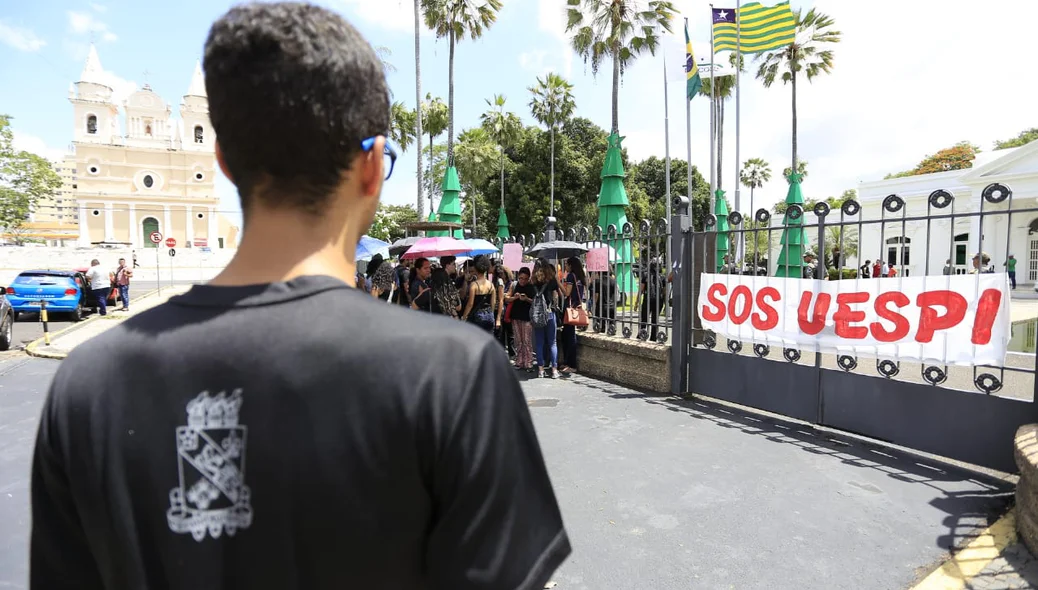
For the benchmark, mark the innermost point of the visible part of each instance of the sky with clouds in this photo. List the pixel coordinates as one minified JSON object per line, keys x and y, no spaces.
{"x":909,"y":79}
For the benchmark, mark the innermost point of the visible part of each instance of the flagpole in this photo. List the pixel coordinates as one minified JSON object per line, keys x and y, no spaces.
{"x":738,"y":160}
{"x":666,"y":140}
{"x":713,"y":116}
{"x":688,"y":142}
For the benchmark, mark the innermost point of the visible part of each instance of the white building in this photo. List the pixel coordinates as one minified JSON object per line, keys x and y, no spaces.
{"x":918,"y":239}
{"x":157,"y":176}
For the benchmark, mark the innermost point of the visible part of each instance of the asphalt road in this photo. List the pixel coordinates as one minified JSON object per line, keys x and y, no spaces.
{"x":29,"y":328}
{"x":666,"y":494}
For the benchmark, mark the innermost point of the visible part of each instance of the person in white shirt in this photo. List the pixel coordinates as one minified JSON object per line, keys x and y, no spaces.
{"x":100,"y":284}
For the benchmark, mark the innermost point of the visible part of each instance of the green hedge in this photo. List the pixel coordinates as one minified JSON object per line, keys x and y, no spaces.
{"x":848,"y":273}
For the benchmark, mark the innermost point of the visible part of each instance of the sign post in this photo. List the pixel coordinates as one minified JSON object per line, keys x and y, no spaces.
{"x":156,"y":238}
{"x":171,"y":243}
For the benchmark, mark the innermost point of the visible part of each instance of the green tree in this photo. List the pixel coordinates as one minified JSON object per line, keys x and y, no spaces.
{"x":618,"y":30}
{"x":801,"y":169}
{"x":456,"y":19}
{"x":504,"y":128}
{"x":651,"y":176}
{"x":25,"y":179}
{"x":552,"y":104}
{"x":403,"y":122}
{"x":476,"y":159}
{"x":437,"y":156}
{"x":957,"y":157}
{"x":1025,"y":137}
{"x":755,"y":172}
{"x":434,"y":121}
{"x":390,"y":221}
{"x":806,"y":57}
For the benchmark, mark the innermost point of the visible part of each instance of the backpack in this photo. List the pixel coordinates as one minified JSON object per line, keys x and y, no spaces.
{"x":539,"y":310}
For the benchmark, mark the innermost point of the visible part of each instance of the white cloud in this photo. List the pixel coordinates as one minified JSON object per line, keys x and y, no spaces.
{"x":33,"y":144}
{"x":551,"y":19}
{"x":83,"y":23}
{"x":393,"y":15}
{"x":20,"y":38}
{"x":98,"y":7}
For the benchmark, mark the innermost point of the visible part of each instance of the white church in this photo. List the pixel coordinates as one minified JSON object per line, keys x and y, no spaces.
{"x":1007,"y":226}
{"x":137,"y":170}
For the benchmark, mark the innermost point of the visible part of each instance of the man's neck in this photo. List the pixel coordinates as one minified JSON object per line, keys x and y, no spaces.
{"x":275,"y":249}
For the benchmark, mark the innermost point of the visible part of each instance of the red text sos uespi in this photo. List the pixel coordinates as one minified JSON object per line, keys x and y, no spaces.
{"x":938,"y":310}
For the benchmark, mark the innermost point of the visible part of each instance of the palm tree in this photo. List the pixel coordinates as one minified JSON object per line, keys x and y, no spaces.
{"x":402,"y":121}
{"x":383,"y":54}
{"x":801,"y":169}
{"x":755,"y":172}
{"x":434,"y":114}
{"x":504,"y":129}
{"x":418,"y":102}
{"x":454,"y":19}
{"x":725,"y":89}
{"x":804,"y":55}
{"x":552,"y":104}
{"x":618,"y":30}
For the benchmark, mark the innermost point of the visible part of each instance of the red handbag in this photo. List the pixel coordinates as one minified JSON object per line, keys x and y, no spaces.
{"x":575,"y":316}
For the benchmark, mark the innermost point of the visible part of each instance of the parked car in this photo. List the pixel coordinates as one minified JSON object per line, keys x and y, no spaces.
{"x":62,"y":289}
{"x":6,"y":321}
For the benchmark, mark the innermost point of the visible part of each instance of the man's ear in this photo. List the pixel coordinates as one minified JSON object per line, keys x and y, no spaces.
{"x":222,"y":163}
{"x":371,"y":168}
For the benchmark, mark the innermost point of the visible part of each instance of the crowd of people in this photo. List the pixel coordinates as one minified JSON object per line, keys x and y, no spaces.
{"x":535,"y":312}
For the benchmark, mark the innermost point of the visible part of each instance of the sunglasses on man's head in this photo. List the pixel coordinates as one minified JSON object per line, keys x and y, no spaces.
{"x":389,"y":152}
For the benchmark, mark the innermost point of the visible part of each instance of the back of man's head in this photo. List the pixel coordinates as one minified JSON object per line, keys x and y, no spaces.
{"x":293,"y":91}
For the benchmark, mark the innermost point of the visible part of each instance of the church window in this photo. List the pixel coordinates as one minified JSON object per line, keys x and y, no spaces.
{"x":96,"y":212}
{"x":148,"y":181}
{"x":92,"y":124}
{"x":201,"y":215}
{"x":93,"y":170}
{"x":198,"y":134}
{"x":199,"y":176}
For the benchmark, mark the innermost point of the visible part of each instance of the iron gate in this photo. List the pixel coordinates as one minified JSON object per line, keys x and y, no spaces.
{"x":965,"y":413}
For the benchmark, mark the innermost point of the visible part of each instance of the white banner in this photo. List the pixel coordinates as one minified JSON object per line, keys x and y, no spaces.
{"x":946,"y":320}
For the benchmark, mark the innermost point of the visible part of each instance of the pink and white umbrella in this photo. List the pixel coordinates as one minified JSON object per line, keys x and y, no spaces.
{"x":435,"y":247}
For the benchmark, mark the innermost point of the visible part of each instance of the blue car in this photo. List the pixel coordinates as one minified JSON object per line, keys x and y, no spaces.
{"x":62,"y":289}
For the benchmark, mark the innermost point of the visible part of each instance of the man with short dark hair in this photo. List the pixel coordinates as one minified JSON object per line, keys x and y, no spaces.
{"x":122,"y":276}
{"x":260,"y":431}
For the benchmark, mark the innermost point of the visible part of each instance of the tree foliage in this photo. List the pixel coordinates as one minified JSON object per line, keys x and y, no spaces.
{"x":25,"y":179}
{"x":1025,"y":137}
{"x":957,"y":157}
{"x":390,"y":221}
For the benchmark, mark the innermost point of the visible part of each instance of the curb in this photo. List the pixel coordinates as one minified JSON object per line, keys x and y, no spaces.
{"x":957,"y":571}
{"x":30,"y":348}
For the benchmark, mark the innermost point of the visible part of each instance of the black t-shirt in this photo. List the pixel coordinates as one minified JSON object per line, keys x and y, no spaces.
{"x":247,"y":437}
{"x":521,"y":309}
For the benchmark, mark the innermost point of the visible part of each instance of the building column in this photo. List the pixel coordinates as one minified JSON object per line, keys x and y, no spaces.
{"x":213,"y":237}
{"x":190,"y":226}
{"x":84,"y":231}
{"x":135,"y":232}
{"x":109,"y":230}
{"x":976,"y":229}
{"x":167,"y":224}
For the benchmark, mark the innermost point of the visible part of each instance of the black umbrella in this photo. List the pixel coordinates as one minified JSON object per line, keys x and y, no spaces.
{"x":403,"y":245}
{"x":557,"y":249}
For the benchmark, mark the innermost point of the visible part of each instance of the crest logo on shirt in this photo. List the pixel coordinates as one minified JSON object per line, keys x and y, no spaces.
{"x":211,"y":496}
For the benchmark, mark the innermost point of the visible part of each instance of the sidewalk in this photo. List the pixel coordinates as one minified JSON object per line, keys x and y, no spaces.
{"x":62,"y":343}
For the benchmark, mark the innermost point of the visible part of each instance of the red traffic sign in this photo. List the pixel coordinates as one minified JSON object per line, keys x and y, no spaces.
{"x":155,"y":237}
{"x":171,"y":243}
{"x":201,"y":243}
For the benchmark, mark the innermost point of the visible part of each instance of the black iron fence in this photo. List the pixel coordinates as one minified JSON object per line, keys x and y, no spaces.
{"x":627,"y":291}
{"x":931,"y":406}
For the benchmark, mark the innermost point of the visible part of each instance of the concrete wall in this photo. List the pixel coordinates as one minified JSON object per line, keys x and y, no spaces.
{"x":627,"y":361}
{"x":1026,"y":453}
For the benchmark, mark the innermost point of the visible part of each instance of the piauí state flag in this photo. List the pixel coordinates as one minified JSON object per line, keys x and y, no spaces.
{"x":693,"y":81}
